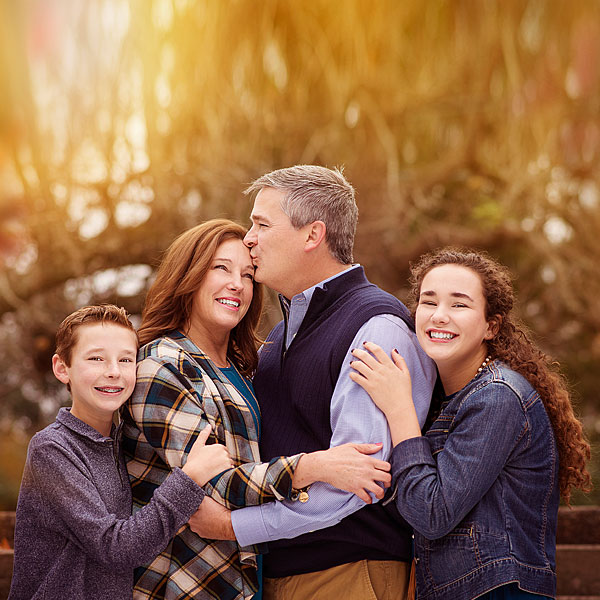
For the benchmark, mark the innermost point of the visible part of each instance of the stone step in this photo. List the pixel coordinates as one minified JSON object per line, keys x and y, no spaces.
{"x":578,"y":525}
{"x":578,"y":570}
{"x":6,"y":565}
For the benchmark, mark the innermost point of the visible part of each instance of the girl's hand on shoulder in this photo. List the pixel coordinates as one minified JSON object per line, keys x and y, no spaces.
{"x":385,"y":379}
{"x":204,"y":462}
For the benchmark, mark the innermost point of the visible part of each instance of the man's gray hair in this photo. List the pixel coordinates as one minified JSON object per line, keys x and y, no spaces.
{"x":313,"y":193}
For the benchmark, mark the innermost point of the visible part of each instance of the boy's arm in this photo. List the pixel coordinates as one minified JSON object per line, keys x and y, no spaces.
{"x":73,"y":507}
{"x":170,"y":410}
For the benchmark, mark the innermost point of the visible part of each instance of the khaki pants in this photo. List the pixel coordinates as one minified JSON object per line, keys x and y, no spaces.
{"x":362,"y":580}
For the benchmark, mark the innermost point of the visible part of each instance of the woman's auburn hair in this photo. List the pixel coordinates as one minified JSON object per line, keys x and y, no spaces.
{"x":182,"y":270}
{"x":513,"y":345}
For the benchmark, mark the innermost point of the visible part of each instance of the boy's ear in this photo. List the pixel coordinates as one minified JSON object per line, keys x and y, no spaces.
{"x":59,"y":368}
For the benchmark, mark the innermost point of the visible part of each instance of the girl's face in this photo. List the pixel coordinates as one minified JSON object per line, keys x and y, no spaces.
{"x":451,"y":319}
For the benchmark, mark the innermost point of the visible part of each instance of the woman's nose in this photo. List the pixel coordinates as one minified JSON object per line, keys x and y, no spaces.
{"x":235,"y":281}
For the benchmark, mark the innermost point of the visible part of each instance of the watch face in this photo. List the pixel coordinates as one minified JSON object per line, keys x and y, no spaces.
{"x":303,"y":496}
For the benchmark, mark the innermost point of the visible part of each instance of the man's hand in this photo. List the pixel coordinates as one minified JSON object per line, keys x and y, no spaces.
{"x":347,"y":467}
{"x":212,"y":521}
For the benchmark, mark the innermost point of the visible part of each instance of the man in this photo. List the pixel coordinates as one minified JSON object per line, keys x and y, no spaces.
{"x":303,"y":224}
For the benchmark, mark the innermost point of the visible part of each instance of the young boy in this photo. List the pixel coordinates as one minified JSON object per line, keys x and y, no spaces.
{"x":75,"y":537}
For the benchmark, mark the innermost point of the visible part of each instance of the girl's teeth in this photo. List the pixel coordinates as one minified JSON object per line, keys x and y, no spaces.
{"x":441,"y":336}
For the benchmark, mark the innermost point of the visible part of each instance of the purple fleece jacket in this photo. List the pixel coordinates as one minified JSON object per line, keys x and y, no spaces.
{"x":75,"y":536}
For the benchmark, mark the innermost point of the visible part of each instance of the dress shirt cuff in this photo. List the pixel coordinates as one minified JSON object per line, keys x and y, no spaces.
{"x":249,"y":526}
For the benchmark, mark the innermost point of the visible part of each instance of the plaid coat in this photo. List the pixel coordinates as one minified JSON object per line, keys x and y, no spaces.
{"x":178,"y":391}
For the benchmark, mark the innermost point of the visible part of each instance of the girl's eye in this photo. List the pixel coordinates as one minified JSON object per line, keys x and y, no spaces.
{"x":94,"y":358}
{"x":460,"y":305}
{"x":428,"y":302}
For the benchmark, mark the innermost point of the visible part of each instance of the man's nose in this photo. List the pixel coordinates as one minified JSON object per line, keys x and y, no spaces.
{"x":250,"y":237}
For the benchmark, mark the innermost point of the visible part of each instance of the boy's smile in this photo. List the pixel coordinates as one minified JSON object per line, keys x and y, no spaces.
{"x":101,"y":373}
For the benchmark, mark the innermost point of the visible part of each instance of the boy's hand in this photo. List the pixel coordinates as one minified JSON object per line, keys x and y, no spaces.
{"x":204,"y":462}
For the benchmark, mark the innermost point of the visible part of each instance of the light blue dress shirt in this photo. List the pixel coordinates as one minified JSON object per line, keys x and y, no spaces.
{"x":354,"y":418}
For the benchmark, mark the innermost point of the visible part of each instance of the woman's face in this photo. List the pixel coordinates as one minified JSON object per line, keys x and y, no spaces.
{"x":225,"y":294}
{"x":450,"y":318}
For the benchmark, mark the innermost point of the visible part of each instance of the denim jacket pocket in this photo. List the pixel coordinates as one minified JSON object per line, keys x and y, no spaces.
{"x":438,"y":433}
{"x":457,"y":554}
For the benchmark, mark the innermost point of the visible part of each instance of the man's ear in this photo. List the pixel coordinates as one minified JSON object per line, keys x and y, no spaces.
{"x":315,"y":235}
{"x":59,"y":368}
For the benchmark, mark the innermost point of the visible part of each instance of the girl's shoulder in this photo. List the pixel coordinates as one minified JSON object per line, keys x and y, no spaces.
{"x":499,"y":374}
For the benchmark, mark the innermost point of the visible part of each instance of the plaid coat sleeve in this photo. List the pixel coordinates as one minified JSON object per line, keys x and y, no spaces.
{"x":173,"y":400}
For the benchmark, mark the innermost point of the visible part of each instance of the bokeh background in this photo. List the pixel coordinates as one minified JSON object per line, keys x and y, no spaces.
{"x":124,"y":122}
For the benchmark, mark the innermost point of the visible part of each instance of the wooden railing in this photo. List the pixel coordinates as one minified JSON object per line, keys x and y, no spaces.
{"x":577,"y":553}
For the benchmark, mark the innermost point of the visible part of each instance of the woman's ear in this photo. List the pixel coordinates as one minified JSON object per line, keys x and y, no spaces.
{"x":59,"y":368}
{"x":493,"y":327}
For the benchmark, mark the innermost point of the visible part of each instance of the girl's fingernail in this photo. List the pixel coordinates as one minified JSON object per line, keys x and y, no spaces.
{"x":396,"y":351}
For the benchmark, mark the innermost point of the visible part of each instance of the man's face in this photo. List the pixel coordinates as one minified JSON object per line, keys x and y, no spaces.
{"x":276,"y":248}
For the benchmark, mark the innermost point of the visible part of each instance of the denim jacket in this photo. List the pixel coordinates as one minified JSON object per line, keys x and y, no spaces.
{"x":480,"y":489}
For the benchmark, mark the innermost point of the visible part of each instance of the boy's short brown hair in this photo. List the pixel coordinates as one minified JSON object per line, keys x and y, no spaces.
{"x":66,"y":335}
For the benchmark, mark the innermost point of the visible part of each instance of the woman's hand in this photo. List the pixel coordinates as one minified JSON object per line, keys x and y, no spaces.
{"x":387,"y":381}
{"x":347,"y":467}
{"x":204,"y":462}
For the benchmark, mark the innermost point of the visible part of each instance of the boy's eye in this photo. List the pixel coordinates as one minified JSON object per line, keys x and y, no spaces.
{"x":94,"y":358}
{"x":127,"y":360}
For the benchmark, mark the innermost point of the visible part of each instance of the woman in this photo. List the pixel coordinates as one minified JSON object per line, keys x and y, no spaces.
{"x":198,"y":336}
{"x":481,"y":487}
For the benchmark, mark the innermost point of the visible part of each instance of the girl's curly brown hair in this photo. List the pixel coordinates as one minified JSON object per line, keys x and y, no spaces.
{"x":513,"y":345}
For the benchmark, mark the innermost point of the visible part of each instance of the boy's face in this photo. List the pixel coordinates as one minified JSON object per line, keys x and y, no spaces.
{"x":102,"y":371}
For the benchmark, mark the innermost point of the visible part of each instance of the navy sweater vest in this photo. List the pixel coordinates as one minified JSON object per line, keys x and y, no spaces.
{"x":294,"y":389}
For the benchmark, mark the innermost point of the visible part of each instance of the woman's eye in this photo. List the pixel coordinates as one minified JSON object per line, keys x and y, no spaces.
{"x":221,"y":267}
{"x":250,"y":276}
